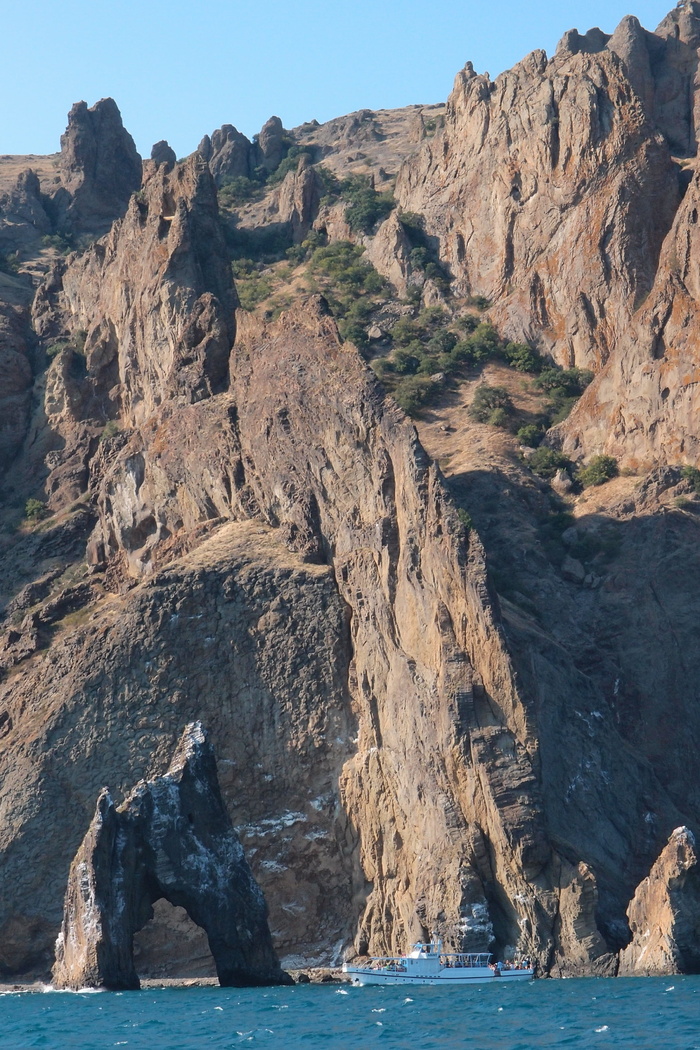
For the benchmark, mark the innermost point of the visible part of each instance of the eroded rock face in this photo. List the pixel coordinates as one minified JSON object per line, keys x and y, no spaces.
{"x":276,"y":554}
{"x":443,"y":729}
{"x":229,"y":153}
{"x":99,"y":169}
{"x":23,"y":218}
{"x":664,"y":914}
{"x":389,"y":252}
{"x":172,"y":334}
{"x":272,"y":143}
{"x":237,"y":632}
{"x":15,"y":368}
{"x":643,"y":407}
{"x":172,"y":838}
{"x":550,"y":191}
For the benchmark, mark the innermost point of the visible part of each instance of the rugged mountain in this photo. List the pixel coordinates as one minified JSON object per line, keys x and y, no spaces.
{"x":550,"y":191}
{"x":458,"y":696}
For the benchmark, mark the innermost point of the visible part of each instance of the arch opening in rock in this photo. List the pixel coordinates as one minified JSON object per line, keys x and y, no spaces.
{"x":171,"y":945}
{"x":148,"y":849}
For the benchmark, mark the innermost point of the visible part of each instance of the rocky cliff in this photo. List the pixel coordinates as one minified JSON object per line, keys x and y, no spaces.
{"x":445,"y":696}
{"x":550,"y":191}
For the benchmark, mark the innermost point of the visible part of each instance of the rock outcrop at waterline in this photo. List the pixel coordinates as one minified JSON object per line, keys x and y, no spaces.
{"x":664,"y":914}
{"x":172,"y":838}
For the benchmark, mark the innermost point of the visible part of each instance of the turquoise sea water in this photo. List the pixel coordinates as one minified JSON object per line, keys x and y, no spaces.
{"x":642,"y":1014}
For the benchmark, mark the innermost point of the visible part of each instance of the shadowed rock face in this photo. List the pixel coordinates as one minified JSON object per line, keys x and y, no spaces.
{"x":23,"y":218}
{"x":229,"y":153}
{"x":171,"y":838}
{"x":99,"y":167}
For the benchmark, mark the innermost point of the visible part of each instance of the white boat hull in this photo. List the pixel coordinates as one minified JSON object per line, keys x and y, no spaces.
{"x":475,"y":975}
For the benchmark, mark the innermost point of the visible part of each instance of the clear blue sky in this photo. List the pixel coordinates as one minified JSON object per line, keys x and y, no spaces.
{"x":178,"y":70}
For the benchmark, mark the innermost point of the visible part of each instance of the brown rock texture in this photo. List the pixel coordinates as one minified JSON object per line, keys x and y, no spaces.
{"x":171,"y":838}
{"x":370,"y":141}
{"x":99,"y":169}
{"x":173,"y":335}
{"x":664,"y":914}
{"x":643,"y":407}
{"x":551,"y":190}
{"x":229,"y":153}
{"x":23,"y":218}
{"x":488,"y":730}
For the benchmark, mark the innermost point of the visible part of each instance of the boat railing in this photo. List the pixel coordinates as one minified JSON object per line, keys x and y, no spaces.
{"x":465,"y":960}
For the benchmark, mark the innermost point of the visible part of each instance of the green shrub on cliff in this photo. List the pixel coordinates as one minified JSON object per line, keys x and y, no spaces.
{"x":522,"y":357}
{"x":491,"y":404}
{"x":9,"y":263}
{"x":545,"y":462}
{"x":237,"y":189}
{"x":599,"y":470}
{"x":530,"y":435}
{"x":414,"y":393}
{"x":290,"y":162}
{"x":692,"y":474}
{"x":365,"y":207}
{"x":35,"y":510}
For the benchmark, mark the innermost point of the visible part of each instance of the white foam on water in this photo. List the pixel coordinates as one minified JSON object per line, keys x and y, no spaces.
{"x":71,"y":991}
{"x":341,"y":991}
{"x":408,"y":1000}
{"x":603,"y":1028}
{"x":671,"y":988}
{"x":219,"y":1008}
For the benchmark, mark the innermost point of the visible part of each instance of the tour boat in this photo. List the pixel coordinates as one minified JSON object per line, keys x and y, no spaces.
{"x":428,"y":964}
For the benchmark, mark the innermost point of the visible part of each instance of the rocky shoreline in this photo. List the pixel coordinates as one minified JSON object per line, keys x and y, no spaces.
{"x":308,"y":975}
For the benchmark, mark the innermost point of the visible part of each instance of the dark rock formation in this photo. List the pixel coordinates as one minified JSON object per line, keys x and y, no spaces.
{"x":99,"y":169}
{"x":23,"y":218}
{"x":171,"y":838}
{"x":15,"y":367}
{"x":162,"y":153}
{"x":228,"y":153}
{"x":664,"y":914}
{"x":272,"y":143}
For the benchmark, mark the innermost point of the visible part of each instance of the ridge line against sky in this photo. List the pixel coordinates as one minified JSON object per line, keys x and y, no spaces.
{"x":177,"y":73}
